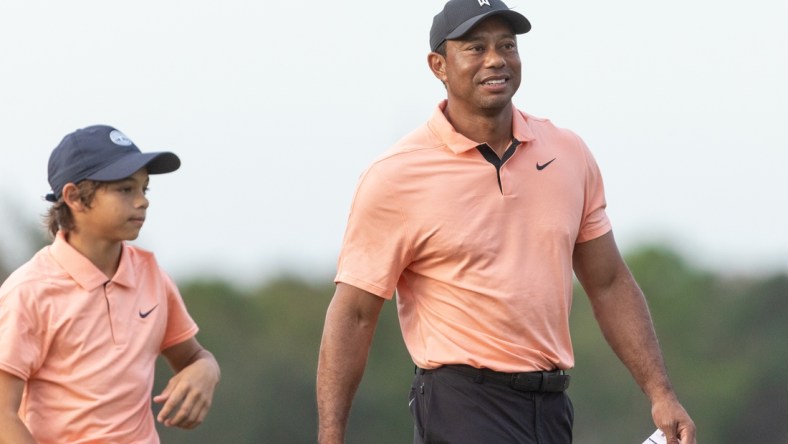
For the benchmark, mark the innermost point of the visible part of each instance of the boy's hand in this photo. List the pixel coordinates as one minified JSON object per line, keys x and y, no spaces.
{"x":188,"y":395}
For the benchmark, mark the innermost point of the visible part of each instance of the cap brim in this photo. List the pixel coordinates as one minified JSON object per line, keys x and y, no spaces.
{"x":520,"y":24}
{"x":156,"y":163}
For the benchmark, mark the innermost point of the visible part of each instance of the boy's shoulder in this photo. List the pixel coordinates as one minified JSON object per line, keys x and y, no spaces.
{"x":142,"y":259}
{"x":140,"y":255}
{"x":43,"y":273}
{"x":39,"y":273}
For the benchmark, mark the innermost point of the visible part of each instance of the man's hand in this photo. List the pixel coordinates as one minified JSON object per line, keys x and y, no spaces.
{"x":674,"y":421}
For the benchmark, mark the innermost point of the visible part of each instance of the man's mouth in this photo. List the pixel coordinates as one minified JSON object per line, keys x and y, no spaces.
{"x":492,"y":82}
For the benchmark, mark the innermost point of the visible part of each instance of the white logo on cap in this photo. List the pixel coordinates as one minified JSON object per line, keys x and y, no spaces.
{"x":484,"y":2}
{"x":119,"y":138}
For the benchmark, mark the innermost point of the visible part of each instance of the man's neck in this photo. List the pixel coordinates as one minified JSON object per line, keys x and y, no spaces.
{"x":493,"y":128}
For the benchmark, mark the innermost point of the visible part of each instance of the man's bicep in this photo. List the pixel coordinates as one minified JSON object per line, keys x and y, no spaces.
{"x":597,"y":262}
{"x":356,"y":302}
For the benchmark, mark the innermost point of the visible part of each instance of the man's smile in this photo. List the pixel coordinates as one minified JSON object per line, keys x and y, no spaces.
{"x":495,"y":81}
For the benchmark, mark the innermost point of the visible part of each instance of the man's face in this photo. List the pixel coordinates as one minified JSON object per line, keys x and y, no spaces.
{"x":482,"y":70}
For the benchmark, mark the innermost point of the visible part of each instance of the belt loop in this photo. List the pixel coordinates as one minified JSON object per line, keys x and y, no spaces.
{"x":479,"y":378}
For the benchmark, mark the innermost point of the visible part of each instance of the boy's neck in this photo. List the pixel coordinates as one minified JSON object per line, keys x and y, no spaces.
{"x":105,"y":255}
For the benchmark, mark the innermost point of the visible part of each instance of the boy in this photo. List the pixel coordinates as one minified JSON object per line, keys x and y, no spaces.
{"x":82,"y":323}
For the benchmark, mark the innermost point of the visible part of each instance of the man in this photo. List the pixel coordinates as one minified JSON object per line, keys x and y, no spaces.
{"x":478,"y":219}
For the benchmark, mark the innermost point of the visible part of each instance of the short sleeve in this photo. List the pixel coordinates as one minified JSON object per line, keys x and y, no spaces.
{"x":594,"y":222}
{"x":375,"y":247}
{"x":180,"y":326}
{"x":22,"y":333}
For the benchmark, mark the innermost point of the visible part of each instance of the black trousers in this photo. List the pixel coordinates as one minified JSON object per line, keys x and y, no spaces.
{"x":450,"y":407}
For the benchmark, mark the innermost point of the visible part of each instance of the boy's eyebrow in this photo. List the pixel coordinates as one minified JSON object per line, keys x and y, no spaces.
{"x":131,"y":179}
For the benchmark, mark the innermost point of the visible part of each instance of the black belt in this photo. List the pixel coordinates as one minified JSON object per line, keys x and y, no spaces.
{"x":555,"y":381}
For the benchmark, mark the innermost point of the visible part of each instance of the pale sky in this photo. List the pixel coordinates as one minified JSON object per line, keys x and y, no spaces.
{"x":275,"y":108}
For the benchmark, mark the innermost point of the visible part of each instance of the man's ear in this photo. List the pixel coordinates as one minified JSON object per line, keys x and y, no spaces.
{"x":437,"y":65}
{"x":72,"y":199}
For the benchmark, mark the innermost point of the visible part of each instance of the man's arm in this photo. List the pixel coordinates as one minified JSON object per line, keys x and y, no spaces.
{"x":347,"y":335}
{"x":189,"y":394}
{"x":623,"y":316}
{"x":14,"y":430}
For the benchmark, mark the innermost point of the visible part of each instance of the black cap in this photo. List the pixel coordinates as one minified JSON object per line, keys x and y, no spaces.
{"x":103,"y":154}
{"x":459,"y":16}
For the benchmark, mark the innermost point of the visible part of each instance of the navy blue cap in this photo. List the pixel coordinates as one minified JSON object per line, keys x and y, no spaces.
{"x":104,"y":154}
{"x":459,"y":16}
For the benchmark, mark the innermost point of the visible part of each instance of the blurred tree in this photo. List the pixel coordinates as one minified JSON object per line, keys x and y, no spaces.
{"x":28,"y":236}
{"x":723,"y":341}
{"x":723,"y":338}
{"x":4,"y":271}
{"x":266,"y":340}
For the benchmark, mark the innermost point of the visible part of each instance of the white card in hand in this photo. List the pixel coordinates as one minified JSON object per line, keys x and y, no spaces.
{"x":656,"y":438}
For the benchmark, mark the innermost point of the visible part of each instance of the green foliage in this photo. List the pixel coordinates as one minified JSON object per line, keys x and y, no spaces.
{"x":266,"y":341}
{"x":4,"y":271}
{"x":723,"y":338}
{"x":724,"y":344}
{"x":30,"y":235}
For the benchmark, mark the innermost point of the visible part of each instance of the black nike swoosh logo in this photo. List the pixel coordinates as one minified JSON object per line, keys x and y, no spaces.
{"x":541,"y":167}
{"x":144,"y":315}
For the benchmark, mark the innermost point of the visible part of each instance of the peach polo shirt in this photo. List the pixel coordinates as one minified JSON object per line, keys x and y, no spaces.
{"x":87,"y":345}
{"x":482,"y":272}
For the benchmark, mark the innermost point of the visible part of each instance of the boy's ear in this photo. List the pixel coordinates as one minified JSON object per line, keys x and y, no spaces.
{"x":72,"y":199}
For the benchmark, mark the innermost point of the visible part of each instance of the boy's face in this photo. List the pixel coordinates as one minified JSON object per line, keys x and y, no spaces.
{"x":117,"y":212}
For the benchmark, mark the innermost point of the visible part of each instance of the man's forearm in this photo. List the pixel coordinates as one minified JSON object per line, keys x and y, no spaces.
{"x":347,"y":337}
{"x":621,"y":311}
{"x":625,"y":321}
{"x":337,"y":381}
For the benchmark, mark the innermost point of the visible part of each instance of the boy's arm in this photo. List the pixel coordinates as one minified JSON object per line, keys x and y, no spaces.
{"x":14,"y":430}
{"x":188,"y":395}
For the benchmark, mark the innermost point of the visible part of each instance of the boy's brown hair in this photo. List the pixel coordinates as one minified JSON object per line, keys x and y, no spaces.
{"x":59,"y":216}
